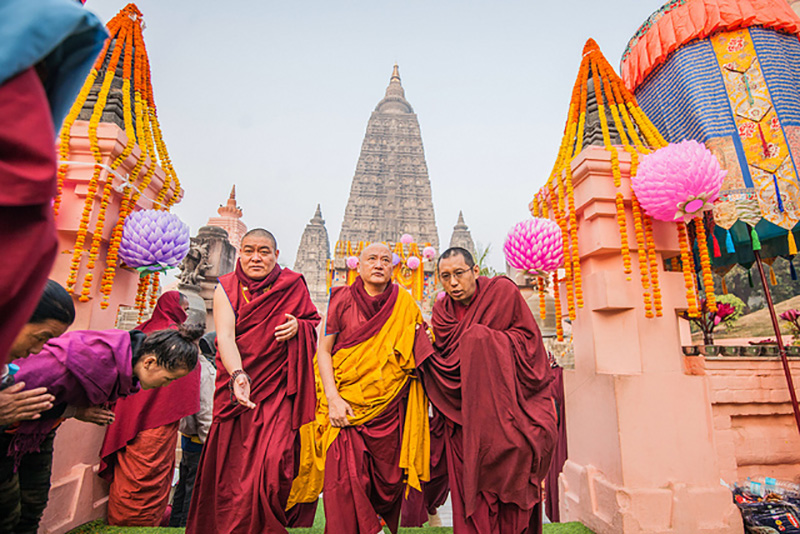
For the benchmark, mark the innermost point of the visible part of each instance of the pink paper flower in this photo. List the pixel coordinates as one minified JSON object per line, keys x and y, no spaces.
{"x":679,"y":181}
{"x":413,"y":262}
{"x":352,"y":263}
{"x":534,"y":245}
{"x":406,"y":239}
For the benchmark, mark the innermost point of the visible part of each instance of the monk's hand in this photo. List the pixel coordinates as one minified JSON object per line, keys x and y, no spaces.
{"x":288,"y":329}
{"x":94,"y":414}
{"x":338,"y":411}
{"x":428,"y":331}
{"x":241,"y":391}
{"x":17,"y":405}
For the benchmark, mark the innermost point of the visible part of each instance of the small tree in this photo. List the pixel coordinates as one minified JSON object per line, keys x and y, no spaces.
{"x":482,"y":255}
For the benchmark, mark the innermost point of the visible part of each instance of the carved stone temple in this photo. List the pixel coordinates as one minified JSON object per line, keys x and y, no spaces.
{"x":462,"y":237}
{"x":312,"y":258}
{"x":390,"y":196}
{"x":391,"y":193}
{"x":230,"y":220}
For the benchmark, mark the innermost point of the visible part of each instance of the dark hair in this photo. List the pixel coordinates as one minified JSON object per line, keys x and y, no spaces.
{"x":55,"y":303}
{"x":174,"y":349}
{"x":262,"y":233}
{"x":456,"y":251}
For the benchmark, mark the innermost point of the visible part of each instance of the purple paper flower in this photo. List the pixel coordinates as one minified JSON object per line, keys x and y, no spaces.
{"x":154,"y":238}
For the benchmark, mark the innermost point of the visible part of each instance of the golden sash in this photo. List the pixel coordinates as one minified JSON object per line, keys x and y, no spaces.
{"x":369,"y":376}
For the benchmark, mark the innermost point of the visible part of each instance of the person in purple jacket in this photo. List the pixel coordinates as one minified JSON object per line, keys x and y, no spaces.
{"x":82,"y":370}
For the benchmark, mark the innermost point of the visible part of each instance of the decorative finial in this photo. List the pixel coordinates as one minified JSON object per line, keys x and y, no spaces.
{"x":395,"y":73}
{"x":233,"y":192}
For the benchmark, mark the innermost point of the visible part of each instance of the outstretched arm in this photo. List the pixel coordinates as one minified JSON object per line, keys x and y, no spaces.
{"x":338,"y":409}
{"x":225,"y":324}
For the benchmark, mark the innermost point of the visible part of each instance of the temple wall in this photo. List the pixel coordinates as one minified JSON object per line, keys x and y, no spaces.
{"x":754,"y":428}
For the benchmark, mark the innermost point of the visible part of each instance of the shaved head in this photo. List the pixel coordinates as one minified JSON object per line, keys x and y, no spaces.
{"x":375,"y":267}
{"x":260,"y":232}
{"x":374,"y":247}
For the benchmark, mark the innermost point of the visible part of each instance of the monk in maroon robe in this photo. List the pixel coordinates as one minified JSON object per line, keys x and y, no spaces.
{"x":265,"y":391}
{"x":420,"y":507}
{"x":490,"y":378}
{"x":372,"y":433}
{"x":139,"y":447}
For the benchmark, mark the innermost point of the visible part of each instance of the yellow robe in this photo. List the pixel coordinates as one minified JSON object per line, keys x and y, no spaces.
{"x":369,"y":376}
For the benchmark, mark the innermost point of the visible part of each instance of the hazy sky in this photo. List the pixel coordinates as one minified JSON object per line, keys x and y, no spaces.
{"x":275,"y":97}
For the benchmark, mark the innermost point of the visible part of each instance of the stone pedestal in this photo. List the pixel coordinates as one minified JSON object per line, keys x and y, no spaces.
{"x":642,"y":457}
{"x":210,"y":256}
{"x":78,"y":495}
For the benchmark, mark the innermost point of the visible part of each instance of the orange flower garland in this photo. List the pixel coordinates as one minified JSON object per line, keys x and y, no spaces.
{"x":141,"y":295}
{"x":638,"y":136}
{"x":705,"y":264}
{"x":688,"y":270}
{"x":141,"y":126}
{"x":542,"y":299}
{"x":557,"y":298}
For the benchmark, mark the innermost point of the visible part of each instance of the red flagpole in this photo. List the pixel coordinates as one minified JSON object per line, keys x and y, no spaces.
{"x":781,"y":348}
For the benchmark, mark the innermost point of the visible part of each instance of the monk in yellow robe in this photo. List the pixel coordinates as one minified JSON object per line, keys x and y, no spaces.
{"x":370,"y":439}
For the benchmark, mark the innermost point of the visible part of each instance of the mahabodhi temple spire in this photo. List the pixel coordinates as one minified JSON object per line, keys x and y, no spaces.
{"x":391,"y":192}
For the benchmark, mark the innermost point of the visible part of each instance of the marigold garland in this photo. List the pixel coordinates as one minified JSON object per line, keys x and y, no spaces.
{"x":557,"y":299}
{"x":141,"y":126}
{"x":542,"y":299}
{"x":638,"y":136}
{"x":705,"y":264}
{"x":688,"y":270}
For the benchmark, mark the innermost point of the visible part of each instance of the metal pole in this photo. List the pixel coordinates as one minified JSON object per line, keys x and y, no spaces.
{"x":781,"y":348}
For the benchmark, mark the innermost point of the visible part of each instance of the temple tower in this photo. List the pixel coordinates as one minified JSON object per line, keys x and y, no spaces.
{"x":230,"y":220}
{"x":461,"y":236}
{"x":312,"y":258}
{"x":391,"y":192}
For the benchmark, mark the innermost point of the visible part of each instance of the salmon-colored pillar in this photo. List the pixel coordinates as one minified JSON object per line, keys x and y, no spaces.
{"x":77,"y":494}
{"x":641,"y":445}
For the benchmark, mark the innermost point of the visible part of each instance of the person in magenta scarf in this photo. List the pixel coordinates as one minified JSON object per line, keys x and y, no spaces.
{"x":138,"y":451}
{"x":266,"y":338}
{"x":82,"y":369}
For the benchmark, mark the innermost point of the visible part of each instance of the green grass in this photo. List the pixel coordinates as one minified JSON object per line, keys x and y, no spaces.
{"x":99,"y":527}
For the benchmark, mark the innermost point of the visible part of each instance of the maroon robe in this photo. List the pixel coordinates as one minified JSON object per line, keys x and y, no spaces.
{"x":138,"y":452}
{"x":248,"y":461}
{"x":492,"y":363}
{"x":27,"y":187}
{"x":419,"y":505}
{"x":363,"y":478}
{"x":560,"y":454}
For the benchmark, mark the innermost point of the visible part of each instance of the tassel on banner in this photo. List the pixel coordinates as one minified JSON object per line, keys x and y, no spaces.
{"x":749,"y":278}
{"x":792,"y":244}
{"x":729,"y":242}
{"x":756,"y":241}
{"x":717,"y":251}
{"x":724,"y":286}
{"x":778,"y":193}
{"x":773,"y":280}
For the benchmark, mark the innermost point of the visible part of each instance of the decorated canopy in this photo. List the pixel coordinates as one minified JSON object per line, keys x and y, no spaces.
{"x":726,"y":74}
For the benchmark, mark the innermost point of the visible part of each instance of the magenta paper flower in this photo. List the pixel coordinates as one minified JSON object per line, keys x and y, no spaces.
{"x":534,"y":245}
{"x":352,"y":262}
{"x":678,"y":182}
{"x":154,"y":239}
